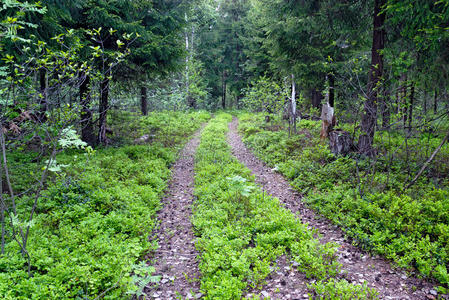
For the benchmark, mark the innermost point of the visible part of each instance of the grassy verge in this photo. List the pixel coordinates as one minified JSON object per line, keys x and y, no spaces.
{"x":410,"y":228}
{"x":93,"y":221}
{"x":241,"y":231}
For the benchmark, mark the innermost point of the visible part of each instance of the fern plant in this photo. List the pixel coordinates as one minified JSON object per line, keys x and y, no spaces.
{"x":143,"y":276}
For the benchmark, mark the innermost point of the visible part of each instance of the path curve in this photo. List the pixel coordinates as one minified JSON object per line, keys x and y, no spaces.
{"x":358,"y":266}
{"x":176,"y":258}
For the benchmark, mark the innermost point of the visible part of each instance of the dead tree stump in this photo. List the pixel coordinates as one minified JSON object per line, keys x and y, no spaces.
{"x":328,"y":118}
{"x":341,"y":142}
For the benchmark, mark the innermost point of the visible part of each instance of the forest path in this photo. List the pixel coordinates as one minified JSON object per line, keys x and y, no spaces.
{"x":176,"y":258}
{"x":358,"y":266}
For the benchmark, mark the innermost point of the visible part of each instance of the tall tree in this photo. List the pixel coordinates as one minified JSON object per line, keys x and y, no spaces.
{"x":311,"y":39}
{"x":221,"y":48}
{"x":369,"y":117}
{"x":159,"y":49}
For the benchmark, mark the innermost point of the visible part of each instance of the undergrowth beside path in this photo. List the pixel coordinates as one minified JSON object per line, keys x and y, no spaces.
{"x":93,"y":221}
{"x":242,"y":231}
{"x":410,"y":228}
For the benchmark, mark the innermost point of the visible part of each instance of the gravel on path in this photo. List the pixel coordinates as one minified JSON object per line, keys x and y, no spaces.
{"x":176,"y":258}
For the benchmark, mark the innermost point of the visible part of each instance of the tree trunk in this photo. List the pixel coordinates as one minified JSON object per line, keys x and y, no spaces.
{"x":43,"y":105}
{"x":192,"y":49}
{"x":328,"y":120}
{"x":369,"y":117}
{"x":293,"y":104}
{"x":410,"y":109}
{"x":223,"y":92}
{"x":385,"y":109}
{"x":435,"y":101}
{"x":425,"y":103}
{"x":316,"y":98}
{"x":103,"y":109}
{"x":87,"y":127}
{"x":340,"y":142}
{"x":143,"y":100}
{"x":398,"y":102}
{"x":405,"y":100}
{"x":331,"y":81}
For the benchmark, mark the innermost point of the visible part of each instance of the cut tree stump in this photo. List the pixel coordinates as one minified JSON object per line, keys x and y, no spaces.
{"x":341,"y":142}
{"x":328,"y":120}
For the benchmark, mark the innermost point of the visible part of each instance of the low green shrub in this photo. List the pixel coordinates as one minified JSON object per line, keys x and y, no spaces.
{"x":93,"y":220}
{"x":409,"y":228}
{"x":342,"y":290}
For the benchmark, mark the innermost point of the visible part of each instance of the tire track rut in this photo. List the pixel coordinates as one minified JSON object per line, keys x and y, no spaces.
{"x":176,"y":258}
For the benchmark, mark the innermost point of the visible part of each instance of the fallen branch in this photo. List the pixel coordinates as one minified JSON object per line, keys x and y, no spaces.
{"x":426,"y":164}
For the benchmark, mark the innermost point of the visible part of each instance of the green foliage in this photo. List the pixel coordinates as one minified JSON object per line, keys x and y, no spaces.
{"x":70,"y":139}
{"x":168,"y":128}
{"x":428,"y":25}
{"x":15,"y":12}
{"x":342,"y":290}
{"x":413,"y":233}
{"x":91,"y":228}
{"x":265,"y":95}
{"x":242,"y":231}
{"x":142,"y":277}
{"x":411,"y":229}
{"x":93,"y":220}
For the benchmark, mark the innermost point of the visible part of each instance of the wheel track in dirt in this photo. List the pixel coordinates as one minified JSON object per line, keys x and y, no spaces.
{"x":357,"y":265}
{"x":176,"y":258}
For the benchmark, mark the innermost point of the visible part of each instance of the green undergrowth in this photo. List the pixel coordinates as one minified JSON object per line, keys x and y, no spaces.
{"x":242,"y":231}
{"x":410,"y":228}
{"x":167,"y":128}
{"x":93,"y":221}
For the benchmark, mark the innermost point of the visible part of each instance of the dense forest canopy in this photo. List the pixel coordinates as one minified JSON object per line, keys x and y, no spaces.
{"x":349,"y":100}
{"x":212,"y":53}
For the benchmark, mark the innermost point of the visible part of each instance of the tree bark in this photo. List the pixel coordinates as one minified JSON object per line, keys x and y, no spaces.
{"x":340,"y":142}
{"x":410,"y":109}
{"x":328,"y":120}
{"x":435,"y":101}
{"x":103,"y":109}
{"x":143,"y":100}
{"x":316,"y":98}
{"x":331,"y":81}
{"x":369,"y":117}
{"x":43,"y":94}
{"x":385,"y":108}
{"x":87,"y":127}
{"x":293,"y":104}
{"x":405,"y":100}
